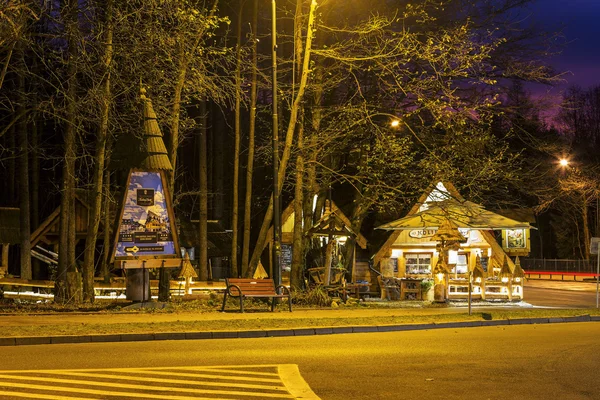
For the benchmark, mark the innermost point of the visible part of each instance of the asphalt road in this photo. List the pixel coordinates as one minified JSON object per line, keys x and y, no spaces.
{"x":551,"y":361}
{"x":560,"y":298}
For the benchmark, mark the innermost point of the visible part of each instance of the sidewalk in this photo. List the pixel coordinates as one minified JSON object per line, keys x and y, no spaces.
{"x":28,"y":329}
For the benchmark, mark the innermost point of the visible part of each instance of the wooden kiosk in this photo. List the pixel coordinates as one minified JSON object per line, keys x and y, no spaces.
{"x":475,"y":265}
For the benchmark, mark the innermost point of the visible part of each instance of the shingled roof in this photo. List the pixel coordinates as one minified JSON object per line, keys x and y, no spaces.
{"x":155,"y":156}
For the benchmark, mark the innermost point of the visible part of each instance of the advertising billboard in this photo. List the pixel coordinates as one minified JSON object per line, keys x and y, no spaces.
{"x":145,"y":229}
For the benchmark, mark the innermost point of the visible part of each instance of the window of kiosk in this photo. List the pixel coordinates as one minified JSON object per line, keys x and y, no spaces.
{"x":418,"y":263}
{"x":462,"y":264}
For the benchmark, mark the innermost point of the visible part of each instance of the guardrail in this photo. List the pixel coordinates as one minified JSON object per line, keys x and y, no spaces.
{"x":560,"y":275}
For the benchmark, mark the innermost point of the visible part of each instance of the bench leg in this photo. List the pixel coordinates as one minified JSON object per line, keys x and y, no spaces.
{"x":272,"y":304}
{"x":241,"y":303}
{"x":290,"y":303}
{"x":224,"y":300}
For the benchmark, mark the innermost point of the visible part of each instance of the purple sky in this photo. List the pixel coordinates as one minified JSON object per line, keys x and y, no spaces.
{"x":581,"y":22}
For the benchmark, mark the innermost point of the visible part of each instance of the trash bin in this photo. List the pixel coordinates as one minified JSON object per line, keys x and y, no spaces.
{"x":138,"y":284}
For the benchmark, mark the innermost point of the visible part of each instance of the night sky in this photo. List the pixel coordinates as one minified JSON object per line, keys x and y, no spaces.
{"x":580,"y":22}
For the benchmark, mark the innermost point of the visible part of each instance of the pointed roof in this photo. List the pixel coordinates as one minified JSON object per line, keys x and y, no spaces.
{"x":462,"y":214}
{"x":154,"y":152}
{"x":518,"y":271}
{"x":187,"y":270}
{"x":339,"y":216}
{"x":439,"y":191}
{"x":505,"y":271}
{"x":332,"y":223}
{"x":260,"y":272}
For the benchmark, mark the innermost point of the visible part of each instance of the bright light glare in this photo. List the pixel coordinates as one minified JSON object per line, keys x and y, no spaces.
{"x":395,"y":123}
{"x":564,"y":162}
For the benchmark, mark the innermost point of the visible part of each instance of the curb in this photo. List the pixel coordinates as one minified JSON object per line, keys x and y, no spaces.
{"x":138,"y":337}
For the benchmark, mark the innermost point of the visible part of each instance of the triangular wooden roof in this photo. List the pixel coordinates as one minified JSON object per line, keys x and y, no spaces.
{"x":335,"y":213}
{"x":435,"y":191}
{"x":187,"y":270}
{"x":48,"y":231}
{"x":332,"y":224}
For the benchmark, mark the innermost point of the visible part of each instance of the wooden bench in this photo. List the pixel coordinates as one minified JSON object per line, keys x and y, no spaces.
{"x":258,"y":288}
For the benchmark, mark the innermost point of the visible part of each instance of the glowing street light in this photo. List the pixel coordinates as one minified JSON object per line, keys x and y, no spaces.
{"x":395,"y":123}
{"x":564,"y":162}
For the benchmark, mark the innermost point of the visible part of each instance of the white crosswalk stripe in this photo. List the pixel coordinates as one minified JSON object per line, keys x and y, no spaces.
{"x":237,"y":382}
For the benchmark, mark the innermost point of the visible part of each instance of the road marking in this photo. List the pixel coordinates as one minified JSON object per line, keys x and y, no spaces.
{"x":40,"y":396}
{"x":185,"y":383}
{"x":293,"y":381}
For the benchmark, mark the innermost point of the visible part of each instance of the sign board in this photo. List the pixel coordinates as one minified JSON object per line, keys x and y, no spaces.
{"x":286,"y":257}
{"x":421,"y":233}
{"x":594,"y":245}
{"x":516,"y":239}
{"x":146,"y":227}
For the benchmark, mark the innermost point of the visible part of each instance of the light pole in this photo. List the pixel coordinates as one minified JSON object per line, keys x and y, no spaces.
{"x":594,"y":248}
{"x":276,"y":250}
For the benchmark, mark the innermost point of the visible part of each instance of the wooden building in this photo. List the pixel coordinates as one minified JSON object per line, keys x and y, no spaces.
{"x":333,"y":222}
{"x":476,"y":263}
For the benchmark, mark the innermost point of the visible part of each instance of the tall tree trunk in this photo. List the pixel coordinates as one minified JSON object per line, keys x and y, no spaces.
{"x":24,"y":181}
{"x":289,"y":138}
{"x":34,"y":173}
{"x":66,"y":284}
{"x":298,"y":251}
{"x":203,"y":232}
{"x":106,"y":243}
{"x":12,"y":167}
{"x":236,"y":148}
{"x":95,"y":195}
{"x":297,"y":269}
{"x":251,"y":135}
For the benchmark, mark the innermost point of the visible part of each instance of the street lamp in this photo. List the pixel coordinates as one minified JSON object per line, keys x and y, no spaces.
{"x":594,"y":242}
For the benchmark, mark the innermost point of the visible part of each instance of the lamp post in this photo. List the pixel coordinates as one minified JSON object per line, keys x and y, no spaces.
{"x":593,"y":245}
{"x":276,"y":249}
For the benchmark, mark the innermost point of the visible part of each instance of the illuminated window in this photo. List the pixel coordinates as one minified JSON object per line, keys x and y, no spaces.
{"x":462,"y":264}
{"x":418,"y":263}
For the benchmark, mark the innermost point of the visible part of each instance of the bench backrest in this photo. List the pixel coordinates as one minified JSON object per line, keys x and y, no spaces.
{"x":253,"y":286}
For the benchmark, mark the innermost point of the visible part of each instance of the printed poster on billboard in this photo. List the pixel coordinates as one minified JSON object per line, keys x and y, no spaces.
{"x":145,"y":228}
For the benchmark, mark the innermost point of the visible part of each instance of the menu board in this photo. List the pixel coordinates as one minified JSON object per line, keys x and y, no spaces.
{"x":286,"y":257}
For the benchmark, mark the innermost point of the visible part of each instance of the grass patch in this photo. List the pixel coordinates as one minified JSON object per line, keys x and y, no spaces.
{"x":254,"y":322}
